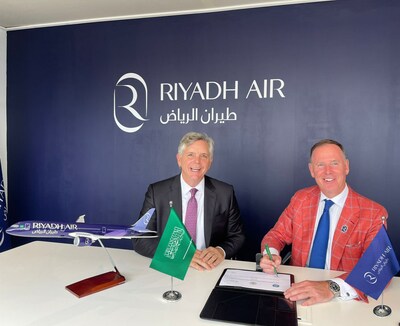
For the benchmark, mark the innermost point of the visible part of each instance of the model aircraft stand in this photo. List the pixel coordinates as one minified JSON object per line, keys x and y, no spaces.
{"x":97,"y":283}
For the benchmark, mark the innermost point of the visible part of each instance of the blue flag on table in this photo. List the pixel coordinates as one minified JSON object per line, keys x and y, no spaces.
{"x":5,"y":243}
{"x":376,"y":267}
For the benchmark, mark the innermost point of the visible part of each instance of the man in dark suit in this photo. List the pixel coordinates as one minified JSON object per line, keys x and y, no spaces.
{"x":219,"y":232}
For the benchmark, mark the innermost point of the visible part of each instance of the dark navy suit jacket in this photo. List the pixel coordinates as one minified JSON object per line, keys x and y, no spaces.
{"x":222,"y":223}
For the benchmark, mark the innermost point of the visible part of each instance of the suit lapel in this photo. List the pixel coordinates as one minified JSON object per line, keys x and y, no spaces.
{"x":210,"y":198}
{"x":309,"y":219}
{"x":347,"y":222}
{"x":175,"y":195}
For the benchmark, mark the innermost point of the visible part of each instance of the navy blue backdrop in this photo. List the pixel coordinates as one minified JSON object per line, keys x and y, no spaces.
{"x":96,"y":111}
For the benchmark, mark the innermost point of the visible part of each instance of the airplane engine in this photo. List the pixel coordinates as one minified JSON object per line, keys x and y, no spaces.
{"x":82,"y":242}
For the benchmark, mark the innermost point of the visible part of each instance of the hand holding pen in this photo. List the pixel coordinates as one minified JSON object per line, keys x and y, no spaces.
{"x":269,"y":263}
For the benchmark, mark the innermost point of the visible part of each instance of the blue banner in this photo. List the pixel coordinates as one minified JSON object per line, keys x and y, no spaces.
{"x":376,"y":267}
{"x":95,"y":111}
{"x":4,"y":237}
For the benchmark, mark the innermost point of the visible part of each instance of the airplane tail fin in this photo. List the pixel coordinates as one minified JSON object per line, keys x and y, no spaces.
{"x":81,"y":219}
{"x":141,"y":224}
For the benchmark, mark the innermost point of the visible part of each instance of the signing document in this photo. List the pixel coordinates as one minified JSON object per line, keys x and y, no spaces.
{"x":251,"y":297}
{"x":255,"y":280}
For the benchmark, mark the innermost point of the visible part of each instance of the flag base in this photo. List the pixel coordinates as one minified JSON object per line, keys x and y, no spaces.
{"x":382,"y":310}
{"x":172,"y":295}
{"x":95,"y":284}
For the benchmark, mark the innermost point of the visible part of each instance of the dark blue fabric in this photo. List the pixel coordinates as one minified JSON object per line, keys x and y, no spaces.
{"x":67,"y":157}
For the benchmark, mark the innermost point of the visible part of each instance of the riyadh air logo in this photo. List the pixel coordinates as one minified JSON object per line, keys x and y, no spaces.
{"x":130,"y":102}
{"x":370,"y":278}
{"x":147,"y":218}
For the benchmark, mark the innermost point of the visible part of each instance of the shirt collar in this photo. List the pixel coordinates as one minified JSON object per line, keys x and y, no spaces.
{"x":339,"y":199}
{"x":186,"y":188}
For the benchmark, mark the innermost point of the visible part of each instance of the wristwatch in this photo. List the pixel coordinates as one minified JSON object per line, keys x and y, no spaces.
{"x":335,"y":288}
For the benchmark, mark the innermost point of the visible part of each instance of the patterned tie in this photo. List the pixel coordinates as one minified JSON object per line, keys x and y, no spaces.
{"x":318,"y":252}
{"x":191,"y":215}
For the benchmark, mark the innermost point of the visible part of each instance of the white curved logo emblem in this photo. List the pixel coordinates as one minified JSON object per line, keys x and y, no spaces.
{"x":370,"y":278}
{"x":134,"y":103}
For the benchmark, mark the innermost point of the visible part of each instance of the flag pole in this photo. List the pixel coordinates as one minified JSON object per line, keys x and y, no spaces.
{"x":382,"y":310}
{"x":172,"y":295}
{"x":109,"y":256}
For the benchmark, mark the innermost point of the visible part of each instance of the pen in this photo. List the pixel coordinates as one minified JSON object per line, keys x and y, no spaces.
{"x":270,"y":258}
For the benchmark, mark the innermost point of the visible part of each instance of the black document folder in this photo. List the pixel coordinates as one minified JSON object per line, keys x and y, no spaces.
{"x":249,"y":306}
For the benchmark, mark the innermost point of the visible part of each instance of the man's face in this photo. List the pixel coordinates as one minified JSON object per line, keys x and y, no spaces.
{"x":194,"y":162}
{"x":329,"y":168}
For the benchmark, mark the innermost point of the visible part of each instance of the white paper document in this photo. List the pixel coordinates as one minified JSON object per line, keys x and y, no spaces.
{"x":255,"y":280}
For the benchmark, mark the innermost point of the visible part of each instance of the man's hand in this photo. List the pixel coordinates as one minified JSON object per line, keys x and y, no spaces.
{"x":268,"y":265}
{"x":207,"y":259}
{"x":311,"y":291}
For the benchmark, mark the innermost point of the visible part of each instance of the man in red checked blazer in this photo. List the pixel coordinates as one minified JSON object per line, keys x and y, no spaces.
{"x":354,"y":222}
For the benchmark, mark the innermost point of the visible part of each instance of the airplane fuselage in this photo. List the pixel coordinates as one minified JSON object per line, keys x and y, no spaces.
{"x":82,"y":233}
{"x":44,"y":229}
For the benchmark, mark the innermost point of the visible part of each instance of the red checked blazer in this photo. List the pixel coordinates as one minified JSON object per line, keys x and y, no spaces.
{"x":359,"y":222}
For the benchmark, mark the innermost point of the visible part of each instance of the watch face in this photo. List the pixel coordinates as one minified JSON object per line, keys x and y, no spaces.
{"x":334,"y":287}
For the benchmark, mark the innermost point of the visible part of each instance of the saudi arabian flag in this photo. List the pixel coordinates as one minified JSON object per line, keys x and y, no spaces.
{"x":175,"y":250}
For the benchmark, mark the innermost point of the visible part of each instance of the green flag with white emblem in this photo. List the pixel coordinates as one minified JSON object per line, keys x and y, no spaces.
{"x":175,"y":250}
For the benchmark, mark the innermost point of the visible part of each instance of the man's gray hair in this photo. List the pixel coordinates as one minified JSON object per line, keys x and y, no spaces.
{"x":192,"y":137}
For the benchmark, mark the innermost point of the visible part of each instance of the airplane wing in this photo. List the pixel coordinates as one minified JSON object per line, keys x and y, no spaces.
{"x":129,"y":234}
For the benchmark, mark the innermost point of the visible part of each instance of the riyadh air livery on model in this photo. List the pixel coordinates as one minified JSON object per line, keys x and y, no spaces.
{"x":82,"y":233}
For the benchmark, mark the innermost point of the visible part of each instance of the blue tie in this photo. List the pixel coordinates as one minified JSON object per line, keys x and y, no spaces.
{"x":318,"y":252}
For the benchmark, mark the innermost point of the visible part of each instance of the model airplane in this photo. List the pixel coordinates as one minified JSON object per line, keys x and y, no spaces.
{"x":82,"y":233}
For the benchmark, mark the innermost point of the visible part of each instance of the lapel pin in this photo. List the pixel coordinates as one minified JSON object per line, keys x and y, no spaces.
{"x":344,"y":228}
